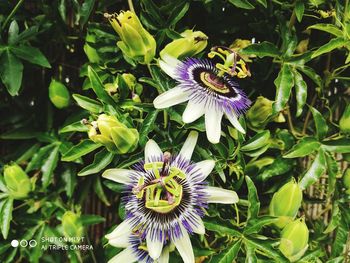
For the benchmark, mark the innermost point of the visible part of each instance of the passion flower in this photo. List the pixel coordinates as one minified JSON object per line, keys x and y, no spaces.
{"x":209,"y":89}
{"x":165,"y":200}
{"x":285,"y":203}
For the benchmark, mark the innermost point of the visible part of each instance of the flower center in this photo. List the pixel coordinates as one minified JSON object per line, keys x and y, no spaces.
{"x":165,"y":192}
{"x":214,"y":82}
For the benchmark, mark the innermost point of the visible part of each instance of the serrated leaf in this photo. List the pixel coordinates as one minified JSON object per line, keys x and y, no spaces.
{"x":147,"y":126}
{"x":228,"y":255}
{"x":49,"y":166}
{"x":84,"y":147}
{"x":320,"y":123}
{"x":11,"y":71}
{"x":329,"y":28}
{"x":31,"y":54}
{"x":242,"y":4}
{"x":304,"y":147}
{"x":264,"y":49}
{"x":101,"y":160}
{"x":284,"y":83}
{"x":6,"y":208}
{"x":257,"y":141}
{"x":254,"y":203}
{"x":317,"y":168}
{"x":300,"y":92}
{"x":331,"y":45}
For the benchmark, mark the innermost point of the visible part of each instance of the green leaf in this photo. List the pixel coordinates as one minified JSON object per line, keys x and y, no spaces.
{"x":338,"y":146}
{"x":87,"y":103}
{"x":257,"y":141}
{"x":262,"y":2}
{"x":38,"y":159}
{"x":85,"y":11}
{"x":299,"y":10}
{"x":6,"y":207}
{"x":278,"y":167}
{"x":300,"y":92}
{"x":340,"y":239}
{"x":11,"y":71}
{"x":254,"y":203}
{"x":101,"y":160}
{"x":147,"y":126}
{"x":70,"y":180}
{"x":31,"y":54}
{"x":13,"y":32}
{"x":242,"y":4}
{"x":228,"y":255}
{"x":317,"y":168}
{"x":284,"y":83}
{"x":333,"y":171}
{"x":310,"y":72}
{"x":81,"y":149}
{"x":329,"y":28}
{"x":331,"y":45}
{"x":100,"y":192}
{"x":320,"y":123}
{"x":221,"y":228}
{"x":250,"y":254}
{"x":264,"y":49}
{"x":74,"y":127}
{"x":304,"y":147}
{"x":255,"y":225}
{"x":98,"y":87}
{"x":88,"y":220}
{"x":178,"y":13}
{"x":335,"y":219}
{"x":266,"y":247}
{"x":49,"y":166}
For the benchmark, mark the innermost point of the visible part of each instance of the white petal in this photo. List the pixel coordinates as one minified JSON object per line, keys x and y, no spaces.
{"x":188,"y":147}
{"x":213,"y":124}
{"x":184,"y":247}
{"x":169,"y":65}
{"x":171,"y":97}
{"x":154,"y":246}
{"x":193,"y":111}
{"x":126,"y":255}
{"x":205,"y":168}
{"x":152,"y":150}
{"x":121,"y":230}
{"x":121,"y":176}
{"x":234,"y":121}
{"x":222,"y":196}
{"x":164,"y":257}
{"x":199,"y":227}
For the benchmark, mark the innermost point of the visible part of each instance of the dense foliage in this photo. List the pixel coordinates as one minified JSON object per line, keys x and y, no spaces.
{"x":61,"y":72}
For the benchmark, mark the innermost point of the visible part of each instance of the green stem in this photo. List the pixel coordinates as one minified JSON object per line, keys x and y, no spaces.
{"x":14,"y":10}
{"x":131,"y":6}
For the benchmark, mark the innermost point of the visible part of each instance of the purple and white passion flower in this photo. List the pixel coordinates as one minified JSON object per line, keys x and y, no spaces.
{"x":209,"y":89}
{"x":165,"y":198}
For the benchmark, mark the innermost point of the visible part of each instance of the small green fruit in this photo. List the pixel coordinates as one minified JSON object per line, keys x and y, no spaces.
{"x":17,"y":181}
{"x":344,"y":122}
{"x":294,"y":240}
{"x":59,"y":94}
{"x":286,"y":202}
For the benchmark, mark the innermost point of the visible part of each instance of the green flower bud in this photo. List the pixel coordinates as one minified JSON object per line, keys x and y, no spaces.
{"x":346,"y":180}
{"x":285,"y":203}
{"x":113,"y":134}
{"x":72,"y":225}
{"x":17,"y":181}
{"x":294,"y":240}
{"x":344,"y":122}
{"x":136,"y":43}
{"x":59,"y":94}
{"x":191,"y":43}
{"x":258,"y":115}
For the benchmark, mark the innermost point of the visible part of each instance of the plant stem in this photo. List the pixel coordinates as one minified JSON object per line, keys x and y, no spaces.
{"x":131,"y":6}
{"x":14,"y":10}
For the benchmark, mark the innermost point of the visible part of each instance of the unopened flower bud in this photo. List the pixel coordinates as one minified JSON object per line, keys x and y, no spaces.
{"x":136,"y":43}
{"x":294,"y":240}
{"x":258,"y":115}
{"x":113,"y":134}
{"x":17,"y":181}
{"x":59,"y":94}
{"x":346,"y":180}
{"x":191,"y":43}
{"x":285,"y":203}
{"x":344,"y":122}
{"x":72,"y":226}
